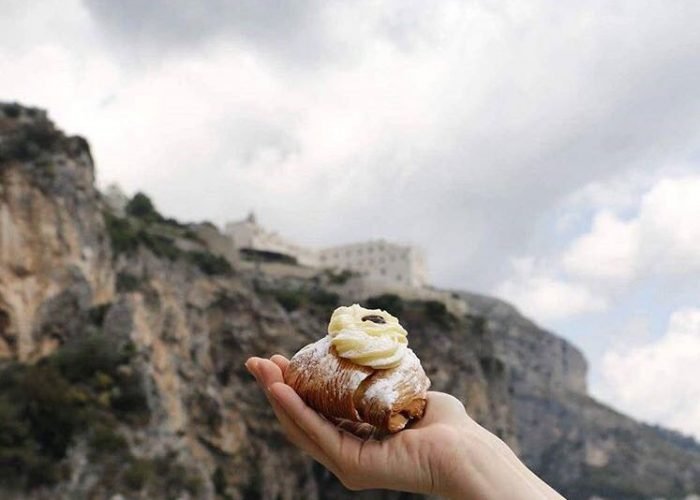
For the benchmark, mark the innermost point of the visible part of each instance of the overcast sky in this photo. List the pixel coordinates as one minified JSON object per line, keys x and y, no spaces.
{"x":546,"y":152}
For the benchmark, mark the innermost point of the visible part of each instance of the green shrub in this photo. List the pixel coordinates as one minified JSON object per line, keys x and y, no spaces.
{"x":50,"y":408}
{"x":192,"y":483}
{"x":12,"y":110}
{"x":477,"y":324}
{"x":160,"y":245}
{"x":293,"y":299}
{"x":339,"y":278}
{"x":14,"y":429}
{"x":169,"y":221}
{"x":290,"y":300}
{"x":42,"y":135}
{"x":42,"y":471}
{"x":126,"y":235}
{"x":97,"y":314}
{"x":39,"y":415}
{"x":127,"y":282}
{"x":209,"y":263}
{"x":436,"y":311}
{"x":44,"y":406}
{"x":29,"y":142}
{"x":138,"y":474}
{"x":129,"y":399}
{"x":123,"y":235}
{"x":266,"y":256}
{"x":389,"y":302}
{"x":141,"y":206}
{"x":218,"y":478}
{"x":174,"y":477}
{"x":323,"y":298}
{"x":79,"y":360}
{"x":189,"y":234}
{"x":106,"y":440}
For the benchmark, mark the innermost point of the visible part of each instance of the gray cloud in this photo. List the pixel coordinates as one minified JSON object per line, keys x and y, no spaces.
{"x":462,"y":126}
{"x":509,"y":111}
{"x":478,"y":198}
{"x":285,"y":28}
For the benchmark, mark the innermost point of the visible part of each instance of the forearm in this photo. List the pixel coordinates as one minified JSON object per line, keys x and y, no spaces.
{"x":486,"y":468}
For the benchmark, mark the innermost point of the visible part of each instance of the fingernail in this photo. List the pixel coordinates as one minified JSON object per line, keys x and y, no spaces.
{"x":251,"y":364}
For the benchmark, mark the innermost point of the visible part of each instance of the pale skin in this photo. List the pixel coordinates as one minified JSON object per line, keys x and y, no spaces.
{"x":446,"y":453}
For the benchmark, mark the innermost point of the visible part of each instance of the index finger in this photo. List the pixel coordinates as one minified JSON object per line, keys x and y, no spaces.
{"x":335,"y":443}
{"x":268,"y":374}
{"x":280,"y":361}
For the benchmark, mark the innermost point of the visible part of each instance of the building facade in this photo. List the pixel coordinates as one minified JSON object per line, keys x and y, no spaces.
{"x":249,"y":235}
{"x":379,"y":261}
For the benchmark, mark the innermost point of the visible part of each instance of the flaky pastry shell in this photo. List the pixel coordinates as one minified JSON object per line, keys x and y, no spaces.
{"x":361,"y":399}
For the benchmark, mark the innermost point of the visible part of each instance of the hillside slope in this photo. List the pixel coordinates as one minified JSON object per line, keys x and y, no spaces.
{"x":122,"y":342}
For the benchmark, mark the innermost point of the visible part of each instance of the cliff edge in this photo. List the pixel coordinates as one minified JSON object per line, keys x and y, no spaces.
{"x":123,"y":337}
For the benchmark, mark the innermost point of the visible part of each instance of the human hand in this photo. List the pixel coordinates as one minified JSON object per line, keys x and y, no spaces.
{"x":444,"y":453}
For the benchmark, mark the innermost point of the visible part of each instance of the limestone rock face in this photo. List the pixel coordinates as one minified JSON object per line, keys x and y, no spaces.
{"x":580,"y":446}
{"x":54,"y":252}
{"x":198,"y":427}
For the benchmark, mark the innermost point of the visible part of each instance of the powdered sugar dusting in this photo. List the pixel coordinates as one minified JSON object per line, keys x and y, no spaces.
{"x":407,"y":379}
{"x":330,"y":384}
{"x":384,"y":390}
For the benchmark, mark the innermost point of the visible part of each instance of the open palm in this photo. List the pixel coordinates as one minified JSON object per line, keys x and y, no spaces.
{"x":411,"y":460}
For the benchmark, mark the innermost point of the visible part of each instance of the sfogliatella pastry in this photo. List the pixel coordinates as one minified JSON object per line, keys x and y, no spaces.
{"x":362,"y":375}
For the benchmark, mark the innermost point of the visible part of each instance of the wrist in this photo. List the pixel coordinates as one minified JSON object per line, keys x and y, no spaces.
{"x":486,"y":468}
{"x":479,"y":467}
{"x":456,"y":459}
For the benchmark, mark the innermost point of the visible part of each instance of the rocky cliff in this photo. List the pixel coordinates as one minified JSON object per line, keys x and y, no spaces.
{"x":122,"y":341}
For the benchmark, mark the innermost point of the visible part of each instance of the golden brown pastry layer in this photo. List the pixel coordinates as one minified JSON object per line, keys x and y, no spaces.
{"x":351,"y":394}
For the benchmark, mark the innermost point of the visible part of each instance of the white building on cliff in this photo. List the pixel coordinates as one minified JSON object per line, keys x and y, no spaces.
{"x":248,"y":235}
{"x":379,"y":261}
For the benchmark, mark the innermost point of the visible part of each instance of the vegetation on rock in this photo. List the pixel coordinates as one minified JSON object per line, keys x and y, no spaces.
{"x":389,"y":302}
{"x":87,"y":387}
{"x":145,"y":227}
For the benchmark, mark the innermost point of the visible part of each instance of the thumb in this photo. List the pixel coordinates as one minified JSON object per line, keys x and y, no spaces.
{"x":443,"y":408}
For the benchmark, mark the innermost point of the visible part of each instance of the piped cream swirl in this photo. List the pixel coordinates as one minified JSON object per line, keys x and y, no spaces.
{"x":368,"y":337}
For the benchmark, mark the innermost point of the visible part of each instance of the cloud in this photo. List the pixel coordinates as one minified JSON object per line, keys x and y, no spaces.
{"x":656,"y":380}
{"x":661,"y":239}
{"x":481,"y":131}
{"x":457,"y":126}
{"x":657,"y":243}
{"x":670,"y":226}
{"x":609,"y":252}
{"x":545,"y":297}
{"x":159,"y":27}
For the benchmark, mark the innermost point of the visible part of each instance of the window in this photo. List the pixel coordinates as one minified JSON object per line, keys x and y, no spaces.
{"x":399,"y":277}
{"x":382,"y":271}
